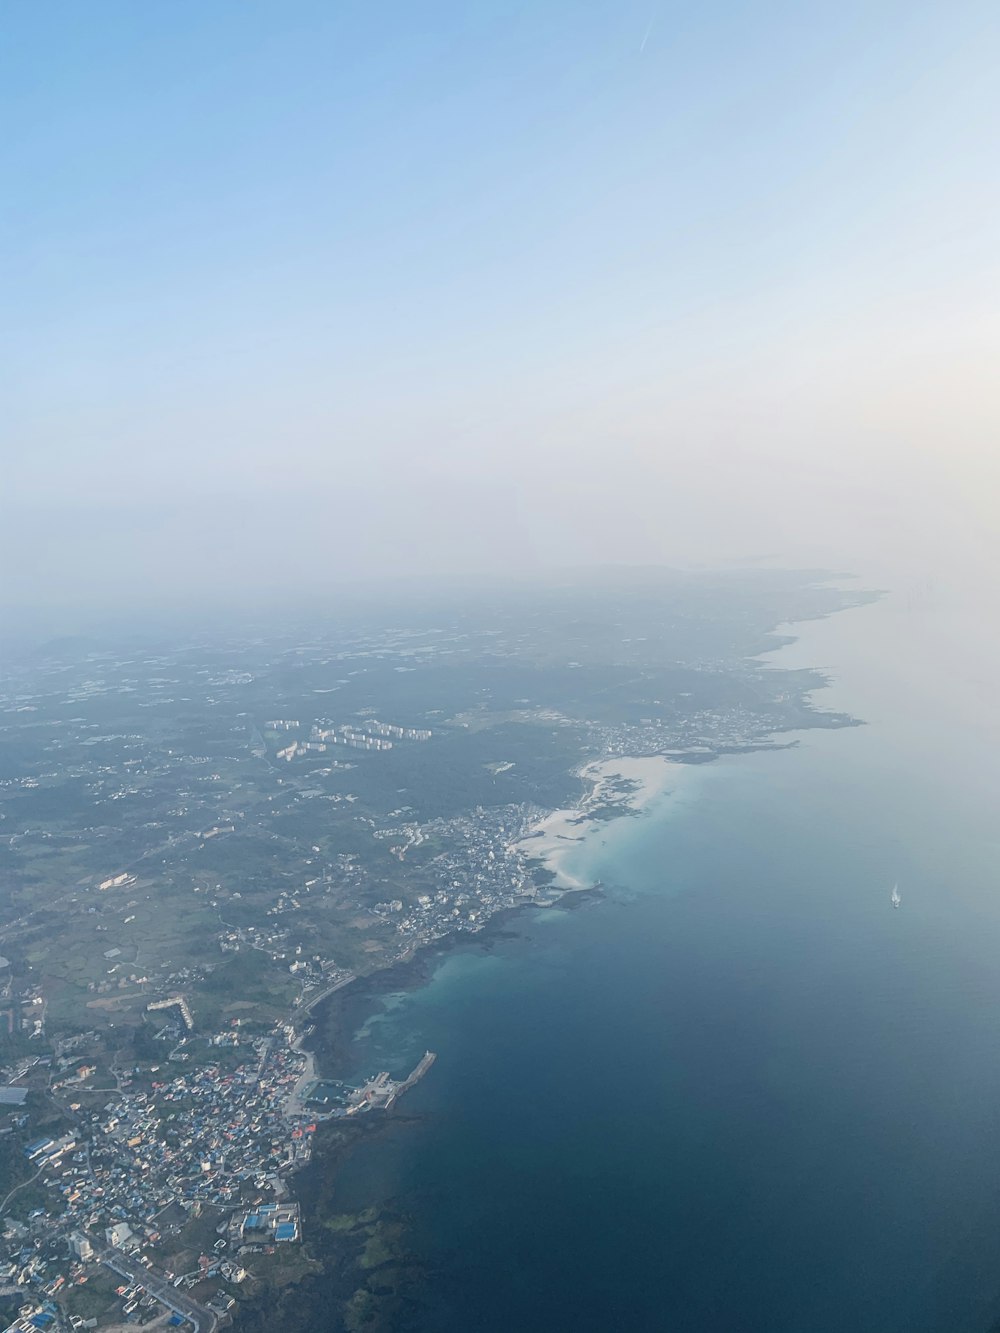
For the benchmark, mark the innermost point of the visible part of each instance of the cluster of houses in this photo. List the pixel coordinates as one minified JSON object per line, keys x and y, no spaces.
{"x":210,"y":1135}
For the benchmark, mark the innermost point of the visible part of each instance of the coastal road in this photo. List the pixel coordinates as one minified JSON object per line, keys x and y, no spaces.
{"x":204,"y":1320}
{"x":294,"y":1106}
{"x":328,"y":990}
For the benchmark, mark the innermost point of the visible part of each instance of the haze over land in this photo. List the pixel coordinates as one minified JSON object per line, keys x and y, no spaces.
{"x":294,"y":297}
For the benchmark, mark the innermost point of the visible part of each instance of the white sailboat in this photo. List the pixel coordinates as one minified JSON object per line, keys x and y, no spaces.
{"x":895,"y":899}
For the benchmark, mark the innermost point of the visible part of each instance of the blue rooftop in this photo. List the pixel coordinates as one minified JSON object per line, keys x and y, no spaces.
{"x":286,"y":1231}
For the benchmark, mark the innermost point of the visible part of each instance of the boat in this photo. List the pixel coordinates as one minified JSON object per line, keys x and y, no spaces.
{"x":895,"y":899}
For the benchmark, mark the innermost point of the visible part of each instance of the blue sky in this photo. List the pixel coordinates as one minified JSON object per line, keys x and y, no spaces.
{"x":457,"y":284}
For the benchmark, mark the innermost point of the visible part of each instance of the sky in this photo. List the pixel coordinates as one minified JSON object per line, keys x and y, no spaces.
{"x":294,"y":294}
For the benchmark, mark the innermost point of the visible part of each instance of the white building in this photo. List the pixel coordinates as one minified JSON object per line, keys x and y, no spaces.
{"x":80,"y":1246}
{"x":118,"y":1234}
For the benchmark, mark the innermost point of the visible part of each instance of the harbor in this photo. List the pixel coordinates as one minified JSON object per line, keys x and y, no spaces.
{"x":329,"y":1099}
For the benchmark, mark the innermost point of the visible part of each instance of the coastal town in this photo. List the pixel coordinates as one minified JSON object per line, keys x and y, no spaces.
{"x":183,"y":1144}
{"x":216,"y":1125}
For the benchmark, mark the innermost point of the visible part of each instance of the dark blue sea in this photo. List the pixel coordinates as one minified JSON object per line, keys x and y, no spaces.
{"x":741,"y":1092}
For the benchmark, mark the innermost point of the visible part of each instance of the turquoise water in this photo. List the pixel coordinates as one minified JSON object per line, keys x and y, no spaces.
{"x":741,"y":1092}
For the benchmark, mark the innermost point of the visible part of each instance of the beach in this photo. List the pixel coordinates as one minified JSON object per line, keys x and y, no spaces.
{"x":619,"y":785}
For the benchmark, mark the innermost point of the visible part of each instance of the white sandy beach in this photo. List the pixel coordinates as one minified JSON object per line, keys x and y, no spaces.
{"x":554,"y":837}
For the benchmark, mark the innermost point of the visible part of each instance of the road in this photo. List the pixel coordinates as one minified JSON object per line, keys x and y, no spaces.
{"x":21,"y":1187}
{"x":204,"y":1320}
{"x":328,"y":990}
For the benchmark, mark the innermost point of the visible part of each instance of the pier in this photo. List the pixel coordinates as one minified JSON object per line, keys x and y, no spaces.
{"x":426,"y":1060}
{"x":382,"y":1091}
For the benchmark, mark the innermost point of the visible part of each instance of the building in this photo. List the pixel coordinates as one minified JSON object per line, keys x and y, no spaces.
{"x":180,"y":1003}
{"x":116,"y":881}
{"x":80,"y":1246}
{"x":117,"y":1235}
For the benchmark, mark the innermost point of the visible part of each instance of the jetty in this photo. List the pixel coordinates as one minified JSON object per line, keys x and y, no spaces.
{"x":383,"y":1091}
{"x":426,"y":1060}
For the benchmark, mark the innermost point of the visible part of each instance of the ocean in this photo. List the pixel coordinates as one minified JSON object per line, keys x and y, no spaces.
{"x":739,"y":1092}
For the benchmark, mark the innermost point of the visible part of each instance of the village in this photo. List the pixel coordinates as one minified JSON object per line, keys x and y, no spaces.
{"x":216,"y":1141}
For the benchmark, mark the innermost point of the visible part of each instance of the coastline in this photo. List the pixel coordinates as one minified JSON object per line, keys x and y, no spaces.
{"x":295,"y":1104}
{"x":618,"y":787}
{"x":615,"y":787}
{"x":612,"y":788}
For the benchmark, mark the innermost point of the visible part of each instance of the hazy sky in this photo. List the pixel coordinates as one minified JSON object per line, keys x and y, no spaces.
{"x":299,"y":291}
